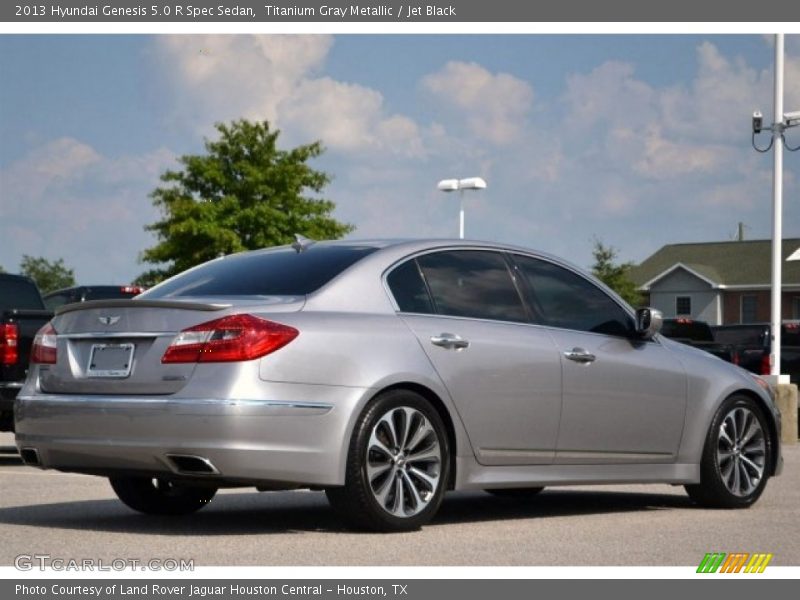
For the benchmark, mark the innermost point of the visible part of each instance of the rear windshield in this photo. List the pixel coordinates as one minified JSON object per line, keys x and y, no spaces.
{"x":280,"y":272}
{"x":696,"y":331}
{"x":19,"y":293}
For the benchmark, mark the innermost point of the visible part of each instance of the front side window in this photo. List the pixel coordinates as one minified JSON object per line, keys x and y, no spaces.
{"x":566,"y":300}
{"x":472,"y":283}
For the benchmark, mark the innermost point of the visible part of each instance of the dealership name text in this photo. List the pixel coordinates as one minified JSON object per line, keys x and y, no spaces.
{"x":209,"y":590}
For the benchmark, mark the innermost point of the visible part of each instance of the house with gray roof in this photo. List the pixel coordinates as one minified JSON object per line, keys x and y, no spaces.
{"x":719,"y":282}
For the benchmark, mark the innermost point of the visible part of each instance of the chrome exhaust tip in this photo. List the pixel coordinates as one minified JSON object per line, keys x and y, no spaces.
{"x":188,"y":464}
{"x":30,"y":456}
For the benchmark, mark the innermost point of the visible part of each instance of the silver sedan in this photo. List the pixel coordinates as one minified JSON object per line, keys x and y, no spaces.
{"x":385,"y":373}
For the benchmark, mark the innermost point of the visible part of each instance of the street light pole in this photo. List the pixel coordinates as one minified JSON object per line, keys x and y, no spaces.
{"x":777,"y":210}
{"x":461,"y":214}
{"x":459,"y":185}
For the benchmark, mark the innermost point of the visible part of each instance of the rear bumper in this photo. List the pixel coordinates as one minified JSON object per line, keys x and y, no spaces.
{"x":247,"y":442}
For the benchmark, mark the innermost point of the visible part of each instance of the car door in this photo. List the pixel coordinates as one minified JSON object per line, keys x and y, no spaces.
{"x":503,"y":374}
{"x":624,"y":399}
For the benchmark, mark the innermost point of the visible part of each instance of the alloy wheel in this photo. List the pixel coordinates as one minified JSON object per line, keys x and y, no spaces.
{"x":741,"y":451}
{"x":404,"y":462}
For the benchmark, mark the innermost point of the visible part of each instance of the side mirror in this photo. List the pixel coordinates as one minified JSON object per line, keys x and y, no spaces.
{"x":648,"y":322}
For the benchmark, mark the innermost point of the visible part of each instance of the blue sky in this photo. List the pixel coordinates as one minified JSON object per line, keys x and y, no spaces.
{"x":637,"y":140}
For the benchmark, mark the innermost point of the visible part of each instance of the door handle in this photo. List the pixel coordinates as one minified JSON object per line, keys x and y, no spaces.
{"x":449,"y":341}
{"x":580,"y":355}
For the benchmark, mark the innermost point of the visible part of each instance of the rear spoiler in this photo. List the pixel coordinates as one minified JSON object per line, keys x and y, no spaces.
{"x":124,"y":303}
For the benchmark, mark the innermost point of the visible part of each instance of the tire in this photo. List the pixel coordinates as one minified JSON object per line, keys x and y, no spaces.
{"x":737,"y":456}
{"x":516,"y":493}
{"x":391,"y":485}
{"x":153,"y":496}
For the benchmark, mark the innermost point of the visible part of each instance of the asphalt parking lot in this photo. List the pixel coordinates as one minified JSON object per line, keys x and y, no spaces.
{"x":75,"y":516}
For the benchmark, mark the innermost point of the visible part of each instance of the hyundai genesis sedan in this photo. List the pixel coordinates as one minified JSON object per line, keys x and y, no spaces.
{"x":386,"y":373}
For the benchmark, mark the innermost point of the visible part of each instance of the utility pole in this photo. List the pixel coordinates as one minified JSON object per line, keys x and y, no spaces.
{"x":777,"y":211}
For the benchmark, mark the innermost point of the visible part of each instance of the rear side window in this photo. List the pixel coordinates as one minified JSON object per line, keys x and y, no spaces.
{"x":472,"y":283}
{"x":409,"y":291}
{"x":566,"y":300}
{"x":19,"y":293}
{"x":279,"y":272}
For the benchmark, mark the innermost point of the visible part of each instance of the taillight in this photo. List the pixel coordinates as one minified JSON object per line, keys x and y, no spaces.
{"x":44,"y":346}
{"x":765,"y":364}
{"x":9,"y":339}
{"x":229,"y":339}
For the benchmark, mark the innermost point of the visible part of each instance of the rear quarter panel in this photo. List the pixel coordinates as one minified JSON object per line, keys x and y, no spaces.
{"x":369,"y":351}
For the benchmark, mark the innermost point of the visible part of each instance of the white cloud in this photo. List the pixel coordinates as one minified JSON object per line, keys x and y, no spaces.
{"x":610,"y":93}
{"x":67,"y":200}
{"x":654,"y":156}
{"x":233,"y":76}
{"x":275,"y":77}
{"x":495,"y":106}
{"x":349,"y":117}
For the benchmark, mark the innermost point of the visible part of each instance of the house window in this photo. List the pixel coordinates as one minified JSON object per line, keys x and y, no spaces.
{"x":749,"y":309}
{"x":683,"y":305}
{"x":796,"y":307}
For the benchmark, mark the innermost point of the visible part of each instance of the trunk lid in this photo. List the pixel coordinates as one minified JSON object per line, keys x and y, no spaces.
{"x":115,"y":346}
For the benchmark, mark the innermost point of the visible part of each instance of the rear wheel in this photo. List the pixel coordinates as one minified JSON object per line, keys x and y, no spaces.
{"x":736,"y":457}
{"x":155,"y":496}
{"x":397,"y":465}
{"x":518,"y":493}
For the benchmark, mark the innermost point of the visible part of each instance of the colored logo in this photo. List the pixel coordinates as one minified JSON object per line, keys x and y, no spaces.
{"x":736,"y":562}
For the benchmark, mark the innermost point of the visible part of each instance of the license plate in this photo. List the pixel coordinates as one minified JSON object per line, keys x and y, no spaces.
{"x":110,"y":360}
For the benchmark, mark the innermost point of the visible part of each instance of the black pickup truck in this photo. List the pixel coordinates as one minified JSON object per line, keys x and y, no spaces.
{"x":752,"y":346}
{"x":698,"y":334}
{"x":22,"y":314}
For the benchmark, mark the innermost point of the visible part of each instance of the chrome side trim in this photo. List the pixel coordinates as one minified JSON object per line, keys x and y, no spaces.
{"x":14,"y":385}
{"x":115,"y":334}
{"x":67,"y":398}
{"x":515,"y":453}
{"x":577,"y":455}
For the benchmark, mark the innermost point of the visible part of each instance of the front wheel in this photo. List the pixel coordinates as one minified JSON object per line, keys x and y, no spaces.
{"x":736,"y":457}
{"x":155,"y":496}
{"x":397,"y":465}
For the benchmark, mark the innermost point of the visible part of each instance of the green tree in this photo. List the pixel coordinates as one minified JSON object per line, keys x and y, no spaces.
{"x":48,"y":275}
{"x":614,"y":275}
{"x":244,"y":193}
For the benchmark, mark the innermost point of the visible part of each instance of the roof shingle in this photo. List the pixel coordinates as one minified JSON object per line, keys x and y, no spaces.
{"x":726,"y":263}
